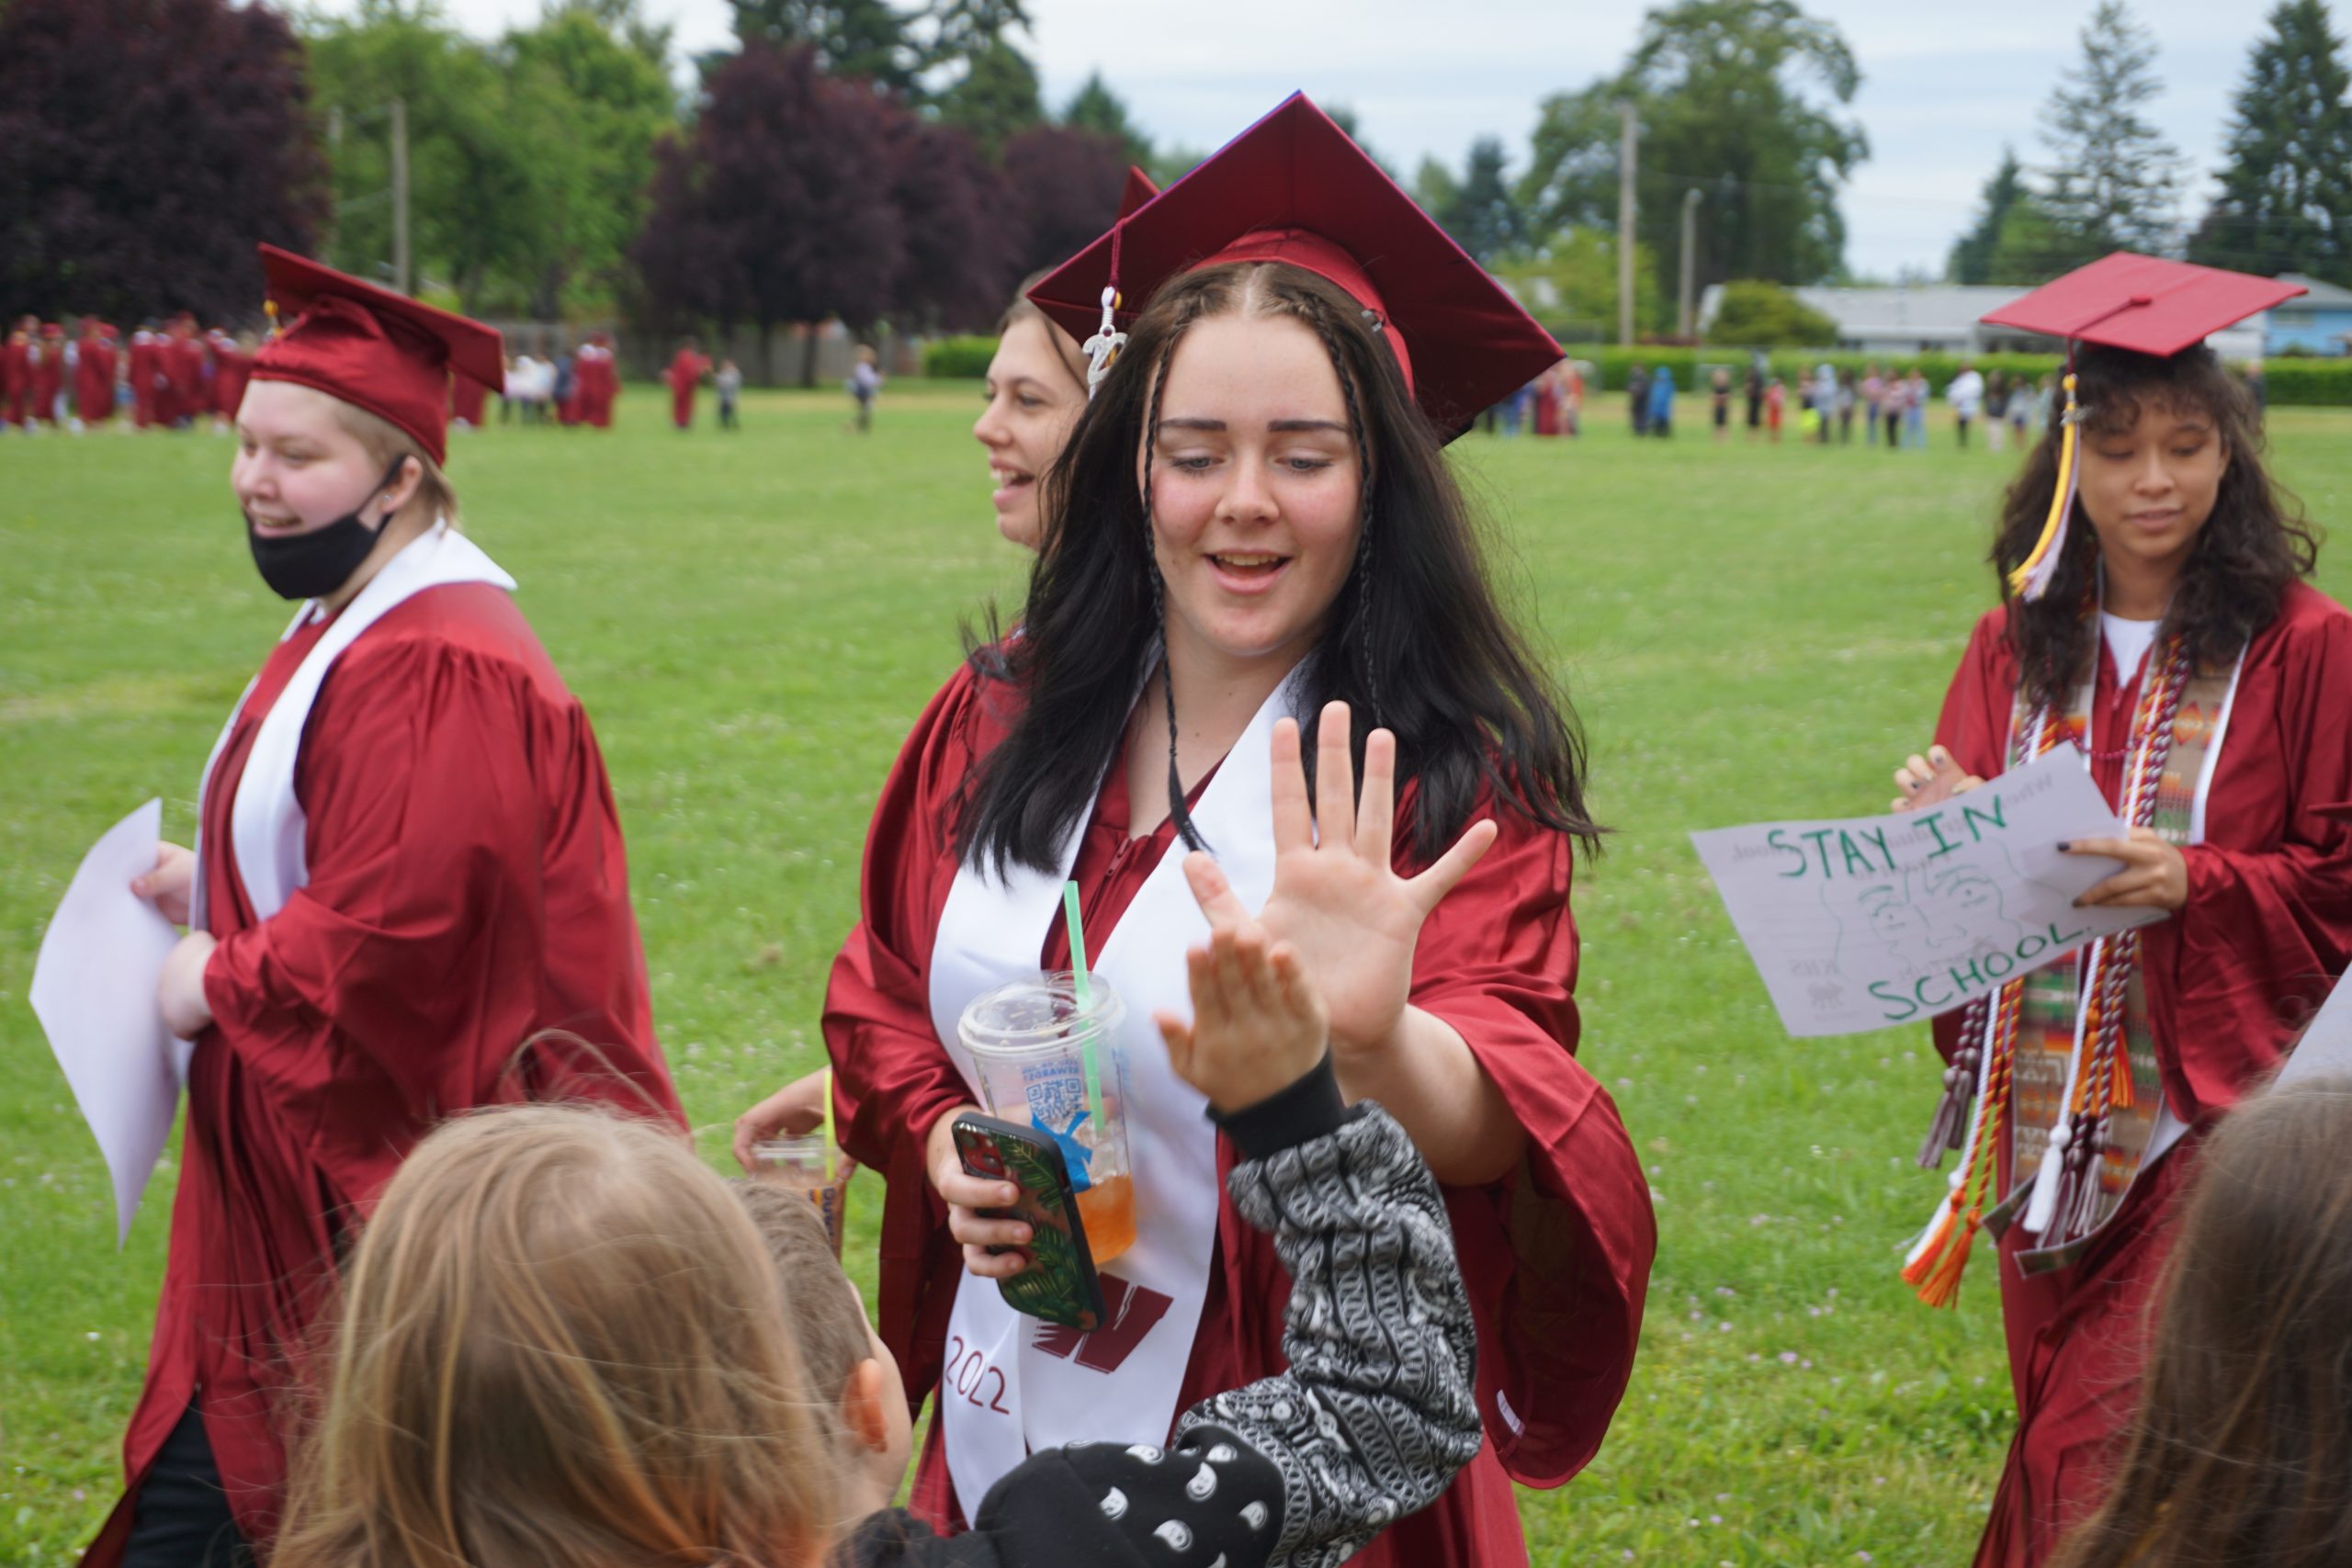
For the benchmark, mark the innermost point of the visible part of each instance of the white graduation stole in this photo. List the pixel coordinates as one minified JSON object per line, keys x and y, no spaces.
{"x":266,"y":822}
{"x":1012,"y":1384}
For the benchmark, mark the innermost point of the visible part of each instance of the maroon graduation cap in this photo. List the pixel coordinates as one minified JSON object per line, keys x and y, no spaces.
{"x":1294,"y":189}
{"x":1140,"y":188}
{"x":2146,"y":304}
{"x":372,"y":347}
{"x":2143,"y":304}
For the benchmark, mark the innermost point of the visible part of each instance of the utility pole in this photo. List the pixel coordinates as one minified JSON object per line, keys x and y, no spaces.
{"x":400,"y":195}
{"x":1690,"y":240}
{"x":1625,"y":224}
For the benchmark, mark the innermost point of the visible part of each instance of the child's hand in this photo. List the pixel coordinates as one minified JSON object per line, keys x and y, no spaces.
{"x":1257,"y":1022}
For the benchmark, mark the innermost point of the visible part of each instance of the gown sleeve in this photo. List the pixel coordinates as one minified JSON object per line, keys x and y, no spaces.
{"x":891,"y":1079}
{"x":2235,"y":973}
{"x":1557,"y":1255}
{"x":389,"y":989}
{"x":1974,"y":725}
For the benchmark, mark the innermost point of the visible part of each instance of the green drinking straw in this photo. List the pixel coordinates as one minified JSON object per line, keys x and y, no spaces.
{"x":1085,"y":1003}
{"x":828,"y":1123}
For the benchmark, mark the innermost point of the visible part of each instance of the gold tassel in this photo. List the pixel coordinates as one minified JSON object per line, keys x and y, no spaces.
{"x":2054,"y":527}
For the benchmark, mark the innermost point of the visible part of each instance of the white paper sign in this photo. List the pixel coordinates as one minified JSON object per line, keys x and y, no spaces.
{"x":1876,"y":921}
{"x":94,"y":991}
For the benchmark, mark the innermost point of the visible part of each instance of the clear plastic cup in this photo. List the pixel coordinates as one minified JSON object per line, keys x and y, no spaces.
{"x":798,"y":1160}
{"x":1028,"y":1040}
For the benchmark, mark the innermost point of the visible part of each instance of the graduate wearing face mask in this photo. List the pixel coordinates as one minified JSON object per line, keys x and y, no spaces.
{"x":408,"y":866}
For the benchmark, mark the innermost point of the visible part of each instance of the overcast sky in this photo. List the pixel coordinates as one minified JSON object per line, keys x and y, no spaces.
{"x":1944,"y":85}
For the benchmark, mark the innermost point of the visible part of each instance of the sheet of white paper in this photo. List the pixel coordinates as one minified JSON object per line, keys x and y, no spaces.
{"x":2325,"y":1048}
{"x":94,"y":991}
{"x":1876,"y":921}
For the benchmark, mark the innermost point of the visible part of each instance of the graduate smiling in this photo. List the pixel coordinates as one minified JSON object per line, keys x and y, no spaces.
{"x":409,"y":867}
{"x":1253,"y":555}
{"x":2157,"y":624}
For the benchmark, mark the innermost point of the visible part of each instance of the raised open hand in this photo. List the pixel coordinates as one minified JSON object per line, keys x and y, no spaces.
{"x":1338,"y":902}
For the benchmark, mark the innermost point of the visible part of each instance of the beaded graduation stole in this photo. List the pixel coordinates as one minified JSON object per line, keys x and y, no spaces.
{"x":2061,"y":1064}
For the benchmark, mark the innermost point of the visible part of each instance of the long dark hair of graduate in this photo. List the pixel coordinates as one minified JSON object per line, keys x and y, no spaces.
{"x":1415,"y":640}
{"x":2241,"y":1449}
{"x":2255,"y":545}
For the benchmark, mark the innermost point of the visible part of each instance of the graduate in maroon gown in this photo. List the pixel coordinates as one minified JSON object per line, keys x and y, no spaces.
{"x":1304,"y":340}
{"x":687,"y":368}
{"x":409,"y":895}
{"x":139,"y":367}
{"x":2156,"y":621}
{"x":49,"y":372}
{"x":17,"y":373}
{"x":182,"y":364}
{"x":94,"y":368}
{"x":232,"y":367}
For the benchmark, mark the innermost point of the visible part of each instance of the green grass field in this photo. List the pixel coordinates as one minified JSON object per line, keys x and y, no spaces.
{"x":754,"y":620}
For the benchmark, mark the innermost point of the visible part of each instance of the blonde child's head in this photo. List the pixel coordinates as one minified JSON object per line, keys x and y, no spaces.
{"x":559,"y":1344}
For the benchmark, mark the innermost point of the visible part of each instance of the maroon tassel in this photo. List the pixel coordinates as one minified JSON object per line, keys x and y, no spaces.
{"x":1949,"y":1128}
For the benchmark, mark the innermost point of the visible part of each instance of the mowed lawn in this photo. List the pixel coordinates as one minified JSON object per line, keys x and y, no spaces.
{"x":754,"y":619}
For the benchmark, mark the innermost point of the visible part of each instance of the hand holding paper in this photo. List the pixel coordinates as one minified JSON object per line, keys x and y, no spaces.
{"x":1869,"y":921}
{"x":94,"y":990}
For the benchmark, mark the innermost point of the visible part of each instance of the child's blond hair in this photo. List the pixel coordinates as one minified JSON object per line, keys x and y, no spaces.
{"x":559,"y":1345}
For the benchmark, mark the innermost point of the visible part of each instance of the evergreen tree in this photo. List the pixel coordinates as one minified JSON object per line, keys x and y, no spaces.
{"x":867,"y":39}
{"x":2286,"y":198}
{"x":1481,"y":213}
{"x":1972,"y":254}
{"x":1097,"y":108}
{"x":995,"y":99}
{"x":2113,"y":180}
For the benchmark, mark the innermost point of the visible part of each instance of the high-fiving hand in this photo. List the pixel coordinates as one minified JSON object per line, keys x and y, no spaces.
{"x":1338,"y":901}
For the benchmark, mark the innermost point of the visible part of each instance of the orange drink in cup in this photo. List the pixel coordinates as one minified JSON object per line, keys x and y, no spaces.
{"x":807,"y":1162}
{"x":1030,"y":1041}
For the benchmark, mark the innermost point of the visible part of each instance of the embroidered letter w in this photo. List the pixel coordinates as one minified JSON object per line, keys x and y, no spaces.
{"x":1133,"y":1313}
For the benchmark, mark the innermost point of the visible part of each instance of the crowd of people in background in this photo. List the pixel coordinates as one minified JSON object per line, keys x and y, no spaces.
{"x":169,"y":376}
{"x":174,"y":375}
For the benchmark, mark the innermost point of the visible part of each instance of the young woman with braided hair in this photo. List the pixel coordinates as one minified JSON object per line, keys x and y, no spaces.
{"x":1256,"y":567}
{"x":2156,"y":627}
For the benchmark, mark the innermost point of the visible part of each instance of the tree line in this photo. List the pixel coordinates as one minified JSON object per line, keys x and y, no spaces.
{"x":896,"y":160}
{"x":843,"y":158}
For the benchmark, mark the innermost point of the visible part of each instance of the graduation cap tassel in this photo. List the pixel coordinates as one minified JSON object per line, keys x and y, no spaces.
{"x":2032,"y":576}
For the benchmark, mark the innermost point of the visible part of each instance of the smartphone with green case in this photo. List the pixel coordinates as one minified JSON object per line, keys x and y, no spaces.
{"x":1059,"y":1285}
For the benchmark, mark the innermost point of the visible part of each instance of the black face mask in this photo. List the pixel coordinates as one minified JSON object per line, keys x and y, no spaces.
{"x":313,"y":565}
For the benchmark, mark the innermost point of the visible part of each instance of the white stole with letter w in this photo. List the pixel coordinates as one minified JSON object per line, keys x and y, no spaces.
{"x":1012,"y":1384}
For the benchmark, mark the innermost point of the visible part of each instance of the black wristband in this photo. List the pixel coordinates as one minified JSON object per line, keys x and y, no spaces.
{"x":1308,"y":1107}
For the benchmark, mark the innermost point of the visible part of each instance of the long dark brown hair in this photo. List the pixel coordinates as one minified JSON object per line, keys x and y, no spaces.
{"x":2240,"y":1450}
{"x":1415,"y":641}
{"x":2255,"y":543}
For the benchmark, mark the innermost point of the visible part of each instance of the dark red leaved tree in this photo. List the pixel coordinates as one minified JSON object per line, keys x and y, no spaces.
{"x":963,"y":234}
{"x":1066,"y":185}
{"x":778,"y":207}
{"x":145,"y":145}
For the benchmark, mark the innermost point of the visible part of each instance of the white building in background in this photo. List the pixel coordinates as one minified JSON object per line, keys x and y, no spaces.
{"x":1943,"y":318}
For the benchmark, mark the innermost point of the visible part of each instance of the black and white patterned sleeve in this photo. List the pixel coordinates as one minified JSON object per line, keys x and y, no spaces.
{"x":1377,"y":1412}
